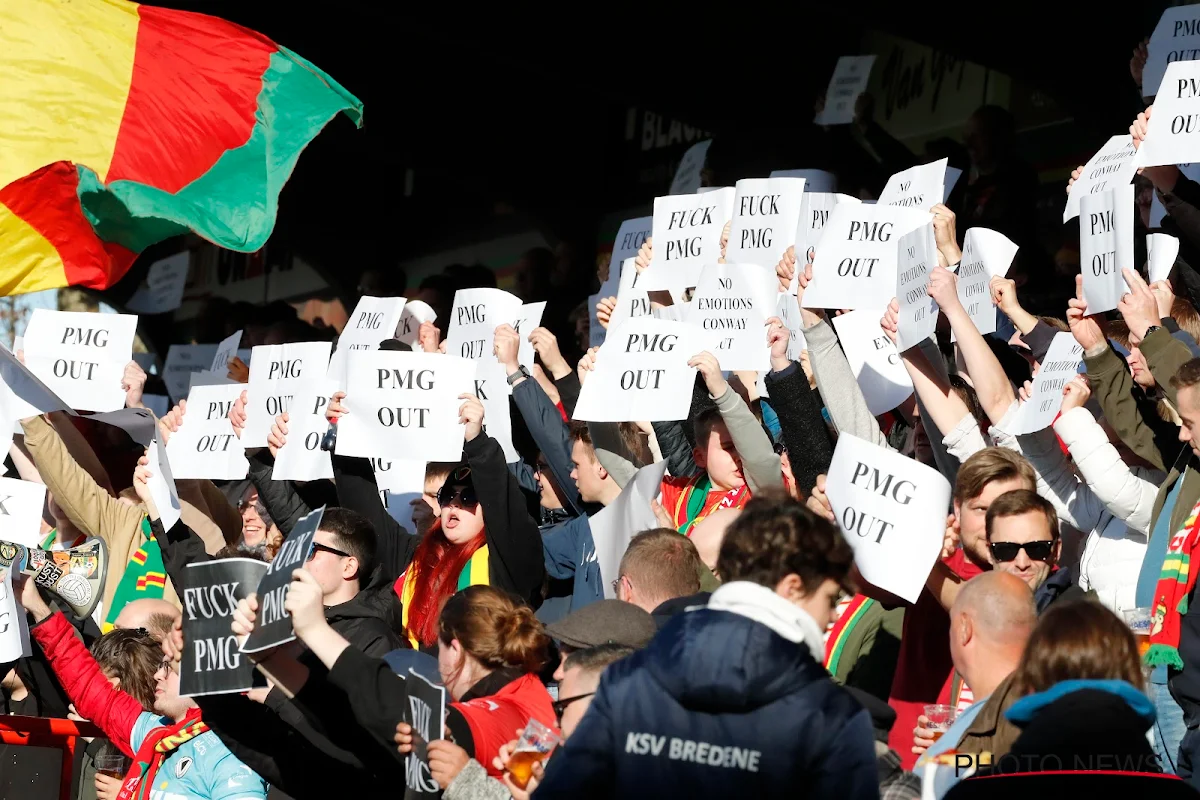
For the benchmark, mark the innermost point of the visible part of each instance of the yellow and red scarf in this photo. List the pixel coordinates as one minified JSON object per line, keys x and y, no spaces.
{"x":1175,"y":584}
{"x":157,"y":745}
{"x":693,"y":503}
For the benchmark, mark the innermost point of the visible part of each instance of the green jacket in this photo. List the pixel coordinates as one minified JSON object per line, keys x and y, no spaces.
{"x":868,"y":659}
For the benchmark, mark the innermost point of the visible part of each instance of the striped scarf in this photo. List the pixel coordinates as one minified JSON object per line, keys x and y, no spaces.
{"x":476,"y":572}
{"x":1175,"y":583}
{"x":157,"y":745}
{"x":144,"y":576}
{"x":693,"y":504}
{"x":840,"y":632}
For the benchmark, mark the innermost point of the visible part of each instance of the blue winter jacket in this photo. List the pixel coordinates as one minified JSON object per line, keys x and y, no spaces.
{"x":718,"y":706}
{"x":570,"y":553}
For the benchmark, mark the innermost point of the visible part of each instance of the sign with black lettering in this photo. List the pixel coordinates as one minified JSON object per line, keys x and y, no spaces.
{"x":162,"y":290}
{"x":1111,"y":166}
{"x":916,"y":187}
{"x":374,"y":319}
{"x":986,"y":253}
{"x":917,"y":256}
{"x":687,"y":175}
{"x":641,"y":373}
{"x":273,"y":626}
{"x":405,"y":403}
{"x":848,"y":81}
{"x":814,"y":213}
{"x":14,"y":629}
{"x":205,"y":445}
{"x":425,"y":711}
{"x":632,"y":300}
{"x":765,"y":214}
{"x":187,"y":360}
{"x":81,"y":356}
{"x":211,"y":662}
{"x":1105,"y":246}
{"x":301,"y":457}
{"x":277,"y":372}
{"x":687,"y":236}
{"x":226,"y":350}
{"x":892,"y":510}
{"x":855,"y":262}
{"x":1064,"y":360}
{"x":1161,"y":251}
{"x":730,"y":308}
{"x":1173,"y":132}
{"x":873,"y":358}
{"x":1176,"y":37}
{"x":21,"y":504}
{"x":529,"y":318}
{"x":409,"y":328}
{"x":815,"y":180}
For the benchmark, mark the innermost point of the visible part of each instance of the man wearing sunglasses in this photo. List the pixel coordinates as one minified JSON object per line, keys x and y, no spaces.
{"x":1023,"y":540}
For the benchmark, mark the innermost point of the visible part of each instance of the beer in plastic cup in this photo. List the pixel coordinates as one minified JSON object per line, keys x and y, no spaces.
{"x":536,"y":743}
{"x":940,"y":717}
{"x":1138,"y":620}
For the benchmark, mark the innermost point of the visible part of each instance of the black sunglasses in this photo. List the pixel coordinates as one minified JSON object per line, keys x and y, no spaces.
{"x":315,"y":546}
{"x":464,"y":492}
{"x":1040,"y":550}
{"x":561,"y":705}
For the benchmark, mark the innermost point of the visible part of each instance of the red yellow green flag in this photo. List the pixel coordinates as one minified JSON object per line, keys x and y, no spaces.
{"x":123,"y":124}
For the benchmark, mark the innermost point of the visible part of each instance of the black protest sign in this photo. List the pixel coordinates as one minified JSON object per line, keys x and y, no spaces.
{"x":426,"y":713}
{"x":274,"y":624}
{"x":211,"y":662}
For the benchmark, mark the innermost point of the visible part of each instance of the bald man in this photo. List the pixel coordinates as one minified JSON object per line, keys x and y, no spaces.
{"x":990,"y":622}
{"x":152,"y":614}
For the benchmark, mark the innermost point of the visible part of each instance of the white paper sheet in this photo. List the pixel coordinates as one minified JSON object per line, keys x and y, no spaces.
{"x":874,"y":359}
{"x":21,"y":504}
{"x":919,"y":187}
{"x":226,"y":350}
{"x":277,"y":372}
{"x":1105,"y":246}
{"x":182,"y":360}
{"x":1161,"y":249}
{"x":687,"y":176}
{"x":632,"y":301}
{"x":14,"y":629}
{"x":301,"y":457}
{"x":162,"y":485}
{"x":529,"y":318}
{"x":848,"y":81}
{"x":788,"y":311}
{"x":1064,"y":360}
{"x":986,"y":254}
{"x":766,"y":212}
{"x":1176,"y":37}
{"x":162,"y":290}
{"x":1173,"y":133}
{"x":687,"y":236}
{"x":415,"y":312}
{"x":623,"y":519}
{"x":814,"y":213}
{"x":205,"y":445}
{"x":917,"y":254}
{"x":641,"y":374}
{"x":373,"y":320}
{"x":1111,"y":166}
{"x":730,"y":309}
{"x":81,"y":356}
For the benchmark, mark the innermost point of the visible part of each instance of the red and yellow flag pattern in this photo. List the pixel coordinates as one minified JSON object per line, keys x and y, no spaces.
{"x":124,"y":124}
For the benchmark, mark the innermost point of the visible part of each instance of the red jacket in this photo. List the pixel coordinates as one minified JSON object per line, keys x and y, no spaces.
{"x":494,"y":720}
{"x":114,"y":711}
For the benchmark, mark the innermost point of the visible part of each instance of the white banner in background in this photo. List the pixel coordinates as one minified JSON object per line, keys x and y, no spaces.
{"x":1172,"y":132}
{"x":641,"y":374}
{"x":730,"y":309}
{"x":1105,"y":246}
{"x":402,"y":402}
{"x":874,"y":360}
{"x":21,"y":504}
{"x":848,"y":81}
{"x":1064,"y":360}
{"x":687,"y":236}
{"x":205,"y":445}
{"x":1111,"y":166}
{"x":765,"y":214}
{"x":81,"y":356}
{"x":278,"y":371}
{"x":918,"y":187}
{"x":855,"y":264}
{"x":1161,"y":251}
{"x":1176,"y":37}
{"x":917,"y":256}
{"x":986,"y":254}
{"x":892,"y":511}
{"x":374,"y":319}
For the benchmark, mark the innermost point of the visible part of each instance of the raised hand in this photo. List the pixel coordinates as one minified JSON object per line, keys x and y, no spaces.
{"x":1138,"y":306}
{"x":1085,"y":328}
{"x":237,"y":414}
{"x":645,"y":255}
{"x":1076,"y":393}
{"x":470,"y":413}
{"x":277,"y":438}
{"x":133,"y":381}
{"x":604,"y":311}
{"x":945,"y":235}
{"x":890,"y":322}
{"x":335,"y":409}
{"x":785,"y":270}
{"x":587,"y":363}
{"x":707,"y":363}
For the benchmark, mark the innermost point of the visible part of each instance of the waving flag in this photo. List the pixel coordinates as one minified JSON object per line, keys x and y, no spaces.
{"x":123,"y":124}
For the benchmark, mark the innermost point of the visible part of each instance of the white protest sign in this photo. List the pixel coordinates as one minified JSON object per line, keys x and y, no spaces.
{"x":789,"y":314}
{"x":814,"y":213}
{"x":873,"y":359}
{"x":892,"y":512}
{"x":277,"y":372}
{"x":529,"y":318}
{"x":916,"y":187}
{"x":162,"y":290}
{"x":226,"y":351}
{"x":205,"y":445}
{"x":765,"y":214}
{"x":1176,"y":37}
{"x":1105,"y":246}
{"x":301,"y":457}
{"x":630,"y":237}
{"x":1064,"y":360}
{"x":641,"y":373}
{"x":162,"y":485}
{"x":918,"y":311}
{"x":855,"y":262}
{"x":81,"y":356}
{"x":815,"y":180}
{"x":687,"y":176}
{"x":414,"y":313}
{"x":374,"y":319}
{"x":21,"y":504}
{"x":624,"y":518}
{"x":632,"y":301}
{"x":848,"y":81}
{"x":23,"y":394}
{"x":1161,"y":251}
{"x":14,"y":628}
{"x":400,"y":481}
{"x":1111,"y":166}
{"x":986,"y":253}
{"x":405,"y":402}
{"x":182,"y":361}
{"x":1173,"y":132}
{"x":687,"y":236}
{"x":952,"y":176}
{"x":731,"y":307}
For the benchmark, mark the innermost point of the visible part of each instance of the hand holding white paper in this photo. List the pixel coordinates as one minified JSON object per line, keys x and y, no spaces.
{"x":1111,"y":166}
{"x":892,"y":510}
{"x":687,"y":176}
{"x":632,"y":300}
{"x":409,"y":328}
{"x":917,"y":187}
{"x":730,"y":309}
{"x":1105,"y":246}
{"x":623,"y":519}
{"x":373,"y":320}
{"x":226,"y":350}
{"x":162,"y":485}
{"x":1064,"y":360}
{"x":918,"y":311}
{"x":687,"y":236}
{"x":630,"y":237}
{"x":814,"y":214}
{"x":474,"y":319}
{"x":855,"y":264}
{"x":848,"y":81}
{"x":1161,"y":250}
{"x":1176,"y":37}
{"x":986,"y":254}
{"x":529,"y":318}
{"x":205,"y":445}
{"x":1172,"y":132}
{"x":21,"y":504}
{"x":301,"y":457}
{"x":81,"y":356}
{"x":641,"y":373}
{"x":765,"y":214}
{"x":874,"y":360}
{"x":277,"y":372}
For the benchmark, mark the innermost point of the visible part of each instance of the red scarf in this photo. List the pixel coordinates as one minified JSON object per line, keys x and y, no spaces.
{"x":157,"y":745}
{"x":1171,"y":594}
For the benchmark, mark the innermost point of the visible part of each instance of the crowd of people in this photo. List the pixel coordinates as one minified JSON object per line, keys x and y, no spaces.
{"x":737,"y":650}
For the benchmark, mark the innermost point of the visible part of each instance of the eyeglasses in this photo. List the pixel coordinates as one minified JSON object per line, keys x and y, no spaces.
{"x":616,"y":585}
{"x":1040,"y":550}
{"x":464,"y":493}
{"x":315,"y":546}
{"x":561,"y":705}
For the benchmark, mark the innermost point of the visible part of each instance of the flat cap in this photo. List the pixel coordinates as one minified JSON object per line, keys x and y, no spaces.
{"x":604,"y":622}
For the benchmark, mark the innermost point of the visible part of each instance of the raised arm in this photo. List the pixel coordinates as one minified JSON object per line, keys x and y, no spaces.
{"x":795,"y":403}
{"x":760,"y":464}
